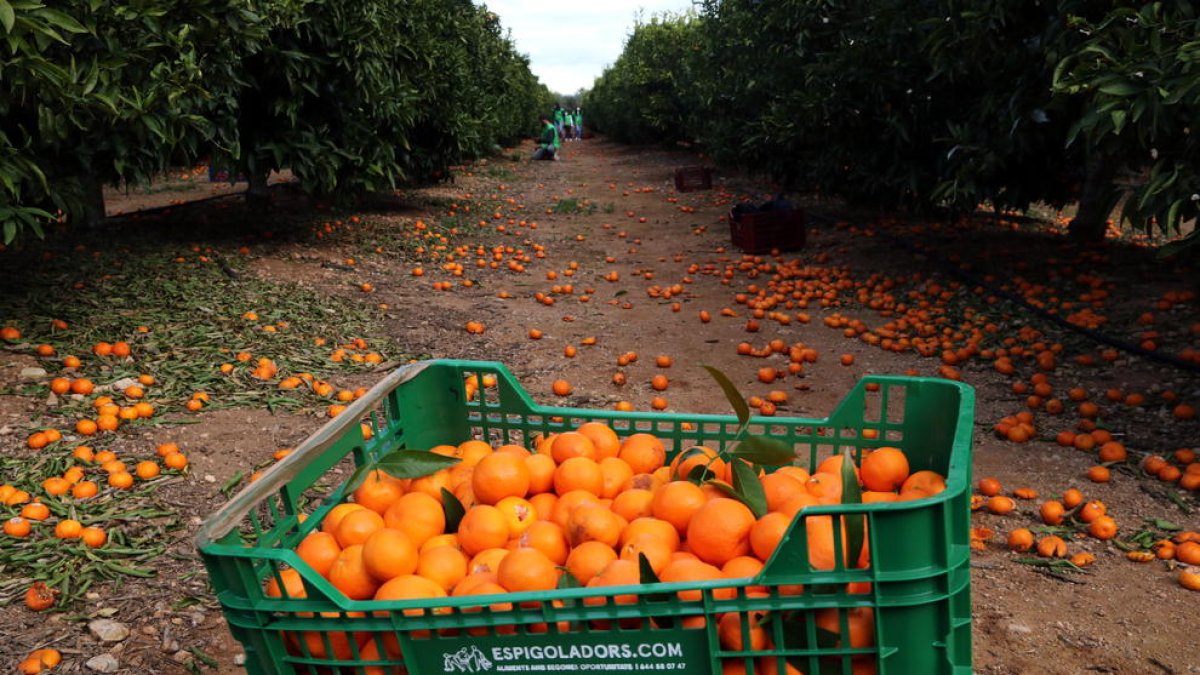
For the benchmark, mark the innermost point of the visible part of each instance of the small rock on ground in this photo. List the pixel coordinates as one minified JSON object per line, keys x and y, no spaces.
{"x":104,"y":663}
{"x":107,"y":630}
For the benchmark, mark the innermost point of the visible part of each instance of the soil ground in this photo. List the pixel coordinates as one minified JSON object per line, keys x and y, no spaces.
{"x":613,"y":209}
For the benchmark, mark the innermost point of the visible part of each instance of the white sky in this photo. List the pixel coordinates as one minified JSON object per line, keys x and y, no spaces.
{"x":569,"y":42}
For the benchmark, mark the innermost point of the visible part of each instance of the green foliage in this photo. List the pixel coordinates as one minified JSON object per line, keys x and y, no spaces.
{"x":94,"y":91}
{"x":1138,"y":75}
{"x":740,"y":407}
{"x":890,"y":102}
{"x":1001,"y":128}
{"x":352,"y":95}
{"x":644,"y":96}
{"x":925,"y":104}
{"x":453,"y":509}
{"x":852,"y":494}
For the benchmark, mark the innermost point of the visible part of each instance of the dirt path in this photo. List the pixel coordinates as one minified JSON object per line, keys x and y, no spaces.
{"x":1120,"y":618}
{"x":176,"y":189}
{"x":609,"y":212}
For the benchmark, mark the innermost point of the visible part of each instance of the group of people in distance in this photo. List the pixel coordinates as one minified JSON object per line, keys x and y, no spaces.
{"x":559,"y":125}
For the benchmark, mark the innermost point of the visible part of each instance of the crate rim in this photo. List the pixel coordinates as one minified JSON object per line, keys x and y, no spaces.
{"x":229,"y":515}
{"x":578,"y":594}
{"x":220,"y":524}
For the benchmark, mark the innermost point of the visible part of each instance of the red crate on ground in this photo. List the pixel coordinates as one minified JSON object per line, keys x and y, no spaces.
{"x":692,"y":178}
{"x":762,"y":231}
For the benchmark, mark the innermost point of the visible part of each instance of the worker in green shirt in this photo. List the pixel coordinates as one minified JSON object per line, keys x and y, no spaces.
{"x":578,"y":124}
{"x":559,"y":115}
{"x":548,"y":142}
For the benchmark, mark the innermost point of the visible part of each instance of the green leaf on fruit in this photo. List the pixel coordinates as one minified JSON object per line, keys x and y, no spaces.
{"x":700,"y":473}
{"x":748,"y":489}
{"x":732,"y":394}
{"x":403,"y":464}
{"x":852,"y":494}
{"x":415,"y":463}
{"x":764,"y":450}
{"x":454,"y":510}
{"x":646,"y":574}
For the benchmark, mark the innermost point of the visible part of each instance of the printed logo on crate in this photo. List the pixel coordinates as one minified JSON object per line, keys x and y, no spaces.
{"x":683,"y":651}
{"x":466,"y":660}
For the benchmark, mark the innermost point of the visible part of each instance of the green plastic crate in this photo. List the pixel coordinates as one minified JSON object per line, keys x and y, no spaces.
{"x":919,"y":569}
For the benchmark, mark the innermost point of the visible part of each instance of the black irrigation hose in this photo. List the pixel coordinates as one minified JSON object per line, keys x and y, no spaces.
{"x":955,"y":270}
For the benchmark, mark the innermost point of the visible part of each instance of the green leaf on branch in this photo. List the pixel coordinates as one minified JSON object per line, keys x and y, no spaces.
{"x":7,"y":16}
{"x":699,"y":473}
{"x":764,"y":450}
{"x":62,"y":20}
{"x":1118,"y":89}
{"x":1118,"y":120}
{"x":748,"y":489}
{"x":403,"y":464}
{"x":732,"y":394}
{"x":415,"y":463}
{"x":728,"y":489}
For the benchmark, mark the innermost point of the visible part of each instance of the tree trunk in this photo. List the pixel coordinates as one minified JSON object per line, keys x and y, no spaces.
{"x":1095,"y":203}
{"x":93,"y":201}
{"x":257,"y":196}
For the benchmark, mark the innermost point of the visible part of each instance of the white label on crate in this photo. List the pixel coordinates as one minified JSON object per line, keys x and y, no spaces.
{"x":620,"y":651}
{"x":466,"y":660}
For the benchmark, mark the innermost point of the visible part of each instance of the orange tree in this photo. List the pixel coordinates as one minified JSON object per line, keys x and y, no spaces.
{"x":933,"y":103}
{"x":500,"y":95}
{"x":477,"y":93}
{"x":96,"y":92}
{"x":1138,"y":75}
{"x":351,"y":95}
{"x":645,"y":96}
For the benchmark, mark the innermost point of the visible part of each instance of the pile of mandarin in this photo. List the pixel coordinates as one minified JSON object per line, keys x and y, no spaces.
{"x":588,"y":504}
